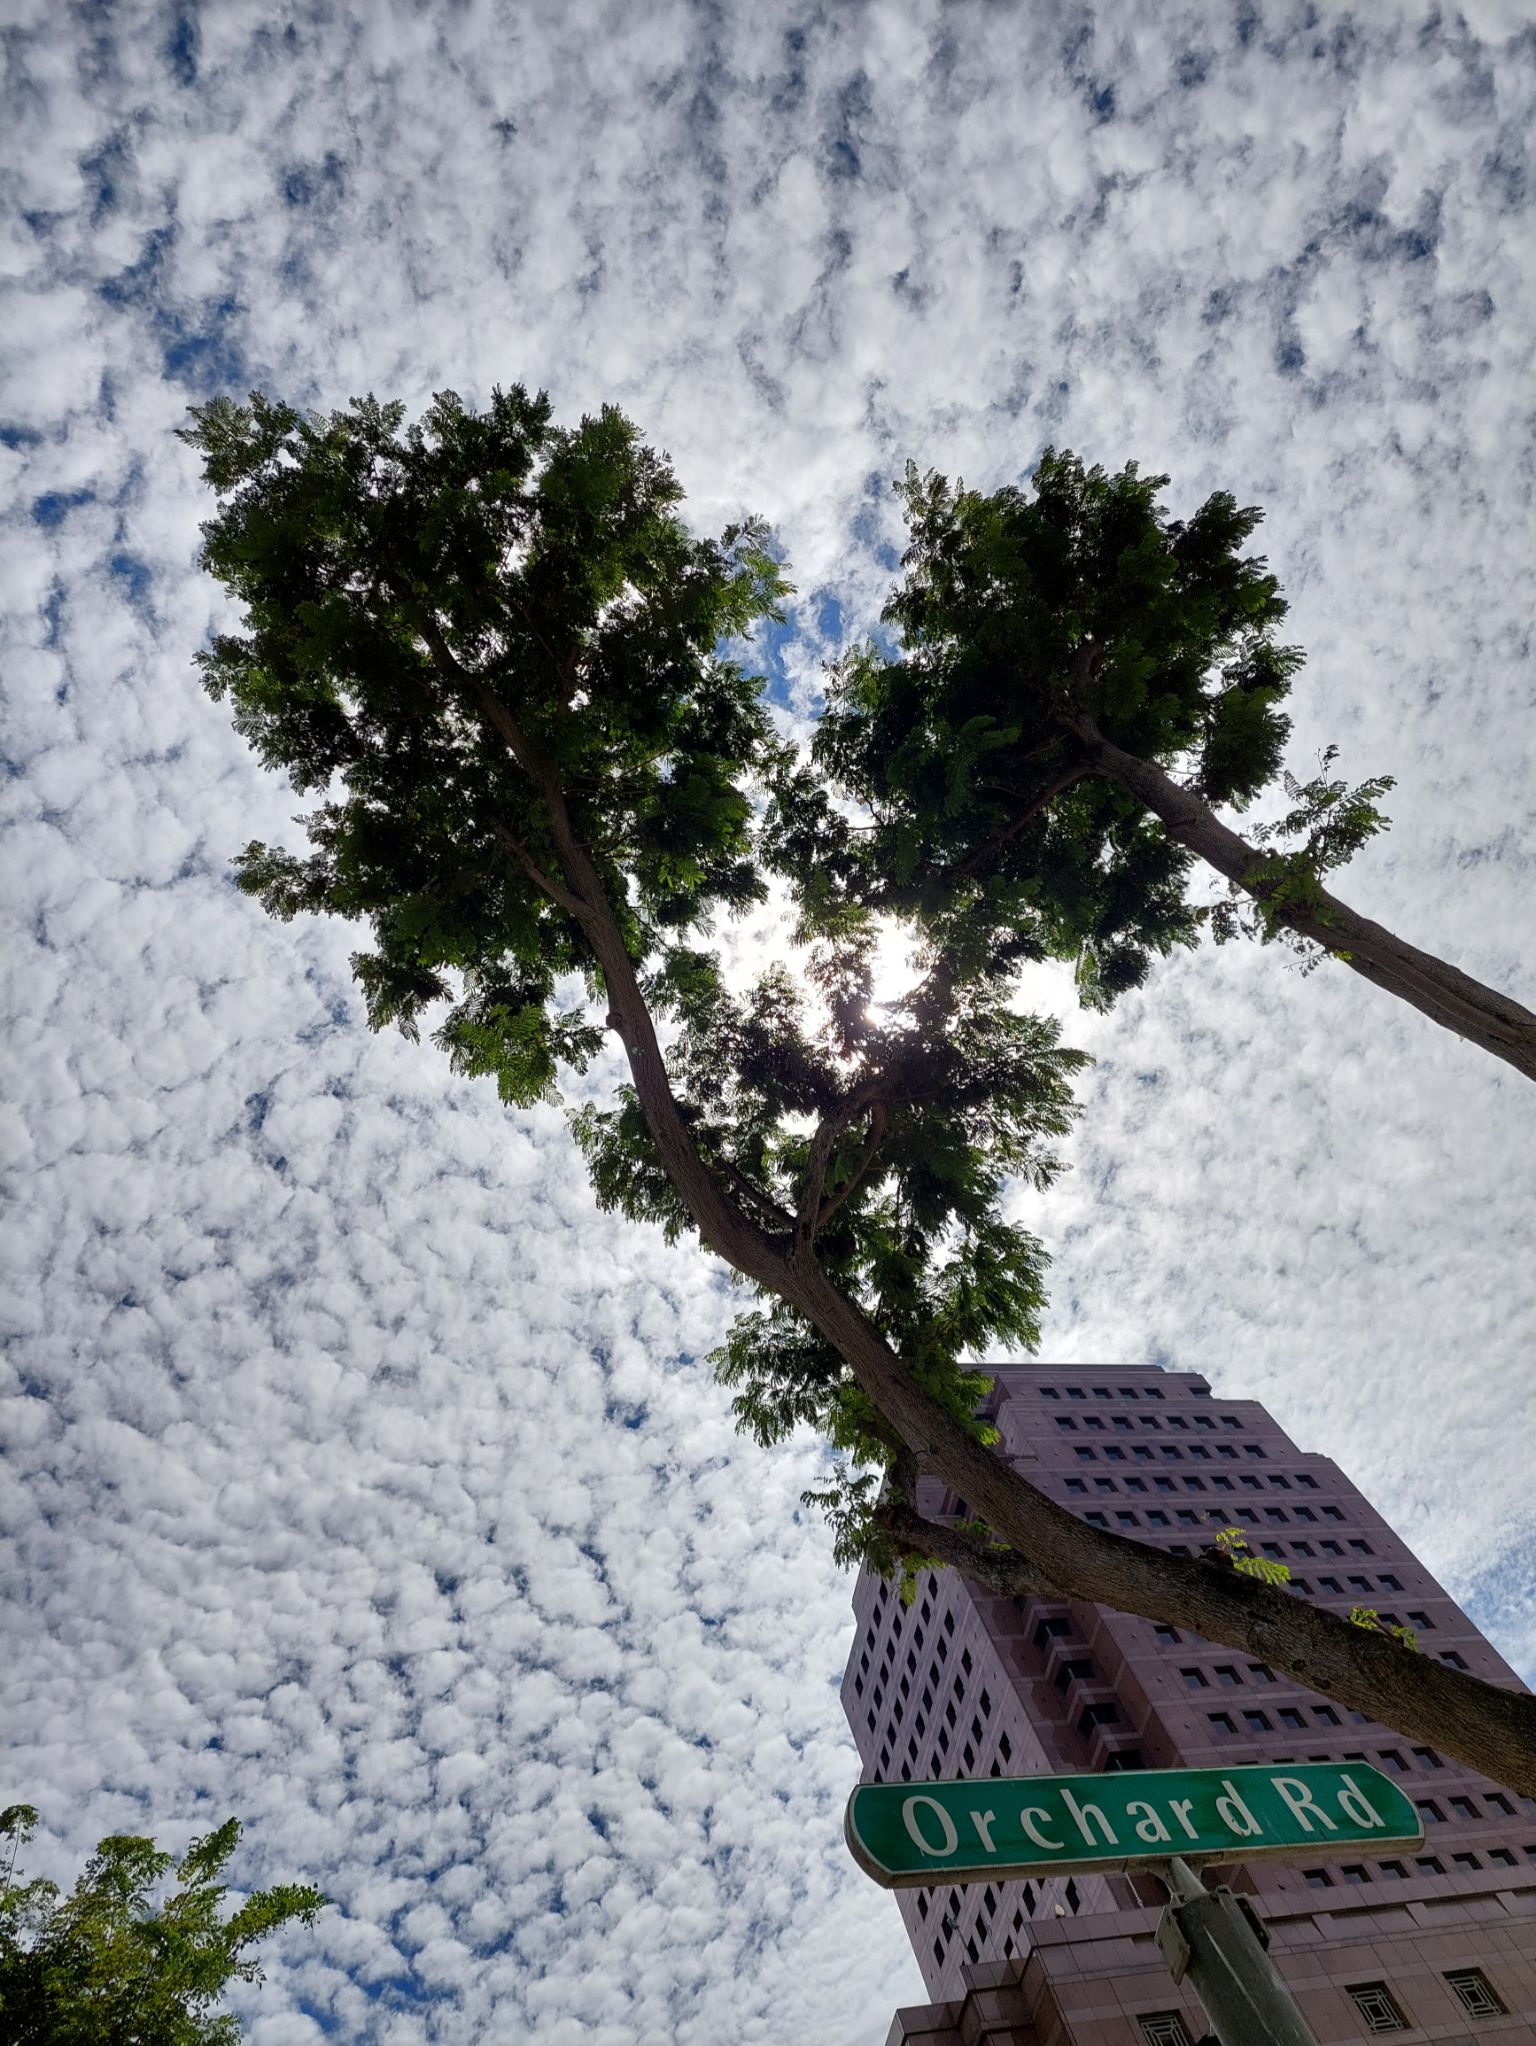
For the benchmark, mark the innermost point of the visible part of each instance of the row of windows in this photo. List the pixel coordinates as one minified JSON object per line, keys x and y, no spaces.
{"x":1095,"y":1424}
{"x":986,"y":1911}
{"x":1374,"y":2002}
{"x":1175,"y":1452}
{"x":1101,"y":1392}
{"x":1422,"y":1864}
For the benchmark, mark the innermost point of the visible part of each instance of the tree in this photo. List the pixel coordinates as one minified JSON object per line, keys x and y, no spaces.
{"x":1081,"y":685}
{"x":492,"y":646}
{"x":107,"y":1967}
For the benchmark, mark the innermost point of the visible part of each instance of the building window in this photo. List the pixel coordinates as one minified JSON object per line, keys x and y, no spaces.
{"x":1165,"y":1633}
{"x":1325,"y":1715}
{"x":1256,"y":1722}
{"x":1391,"y":1759}
{"x":1468,"y":1861}
{"x":1374,"y":2002}
{"x":1074,"y":1901}
{"x":1076,"y":1486}
{"x":1477,"y":1995}
{"x":1394,"y":1869}
{"x":1453,"y":1659}
{"x":1222,"y":1722}
{"x":1430,"y":1812}
{"x":1291,"y":1717}
{"x":1431,"y":1864}
{"x":1317,"y":1878}
{"x":1261,"y":1672}
{"x":1355,"y":1872}
{"x":1164,"y":2028}
{"x":1226,"y":1674}
{"x":1423,"y":1622}
{"x":1194,"y":1679}
{"x":1464,"y":1808}
{"x":1427,"y":1758}
{"x":1097,"y":1715}
{"x":1502,"y":1857}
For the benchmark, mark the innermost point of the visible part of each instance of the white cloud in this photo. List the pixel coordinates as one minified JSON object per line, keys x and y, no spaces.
{"x":371,"y":1485}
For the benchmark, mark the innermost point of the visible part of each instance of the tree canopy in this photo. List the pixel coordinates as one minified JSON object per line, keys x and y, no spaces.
{"x":1079,"y":684}
{"x":109,"y":1966}
{"x":491,"y":647}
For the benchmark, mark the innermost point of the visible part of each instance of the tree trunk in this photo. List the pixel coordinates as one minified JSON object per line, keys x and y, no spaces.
{"x":1488,"y":1728}
{"x":1447,"y":996}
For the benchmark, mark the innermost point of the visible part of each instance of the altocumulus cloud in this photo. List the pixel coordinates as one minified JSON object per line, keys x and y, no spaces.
{"x":362,"y":1479}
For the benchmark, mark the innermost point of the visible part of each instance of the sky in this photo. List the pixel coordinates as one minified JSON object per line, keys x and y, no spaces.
{"x":359,"y":1477}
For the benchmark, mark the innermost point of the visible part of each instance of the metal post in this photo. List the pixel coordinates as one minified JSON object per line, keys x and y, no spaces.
{"x":1213,"y":1937}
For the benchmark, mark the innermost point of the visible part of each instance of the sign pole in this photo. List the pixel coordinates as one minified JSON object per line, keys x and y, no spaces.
{"x":1213,"y":1938}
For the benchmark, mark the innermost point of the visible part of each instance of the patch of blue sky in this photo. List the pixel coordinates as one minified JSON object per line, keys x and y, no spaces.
{"x":54,"y":506}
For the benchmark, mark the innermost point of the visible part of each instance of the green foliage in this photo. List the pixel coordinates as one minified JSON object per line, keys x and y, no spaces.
{"x":387,"y":577}
{"x":1021,"y":615}
{"x":491,"y":650}
{"x":1333,"y":821}
{"x":108,"y":1966}
{"x":1368,"y":1617}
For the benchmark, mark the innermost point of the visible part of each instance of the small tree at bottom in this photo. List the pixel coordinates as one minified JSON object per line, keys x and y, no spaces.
{"x":106,"y":1966}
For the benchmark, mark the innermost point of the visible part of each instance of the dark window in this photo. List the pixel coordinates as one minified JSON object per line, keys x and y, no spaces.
{"x":1065,"y":1421}
{"x":1427,"y":1758}
{"x":1222,"y":1722}
{"x":1464,"y":1808}
{"x":1125,"y":1520}
{"x":1076,"y":1486}
{"x":1325,"y":1715}
{"x":965,"y":1660}
{"x":1423,"y":1622}
{"x":1114,"y":1454}
{"x":1431,"y":1864}
{"x":1317,"y":1879}
{"x":1362,"y":1548}
{"x":1226,"y":1674}
{"x":1355,"y":1872}
{"x":1477,"y":1995}
{"x":1166,"y":1633}
{"x":1261,"y":1672}
{"x":1097,"y":1715}
{"x":1391,"y":1759}
{"x":1074,"y":1901}
{"x":1395,"y":1869}
{"x":1194,"y":1679}
{"x":1256,"y":1722}
{"x":1500,"y":1803}
{"x":1005,"y":1747}
{"x":1455,"y":1661}
{"x":1502,"y":1857}
{"x":1079,"y":1669}
{"x":1083,"y":1453}
{"x":1096,"y":1519}
{"x":1374,"y":2002}
{"x":1466,"y":1861}
{"x":1430,"y":1812}
{"x":1051,"y":1630}
{"x":1289,"y":1716}
{"x":1093,"y":1422}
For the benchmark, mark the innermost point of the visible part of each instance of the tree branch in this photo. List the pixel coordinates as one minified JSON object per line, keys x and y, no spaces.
{"x":877,"y":1127}
{"x":1449,"y":997}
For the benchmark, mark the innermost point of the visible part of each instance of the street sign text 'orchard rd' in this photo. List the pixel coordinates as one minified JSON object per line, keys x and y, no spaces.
{"x":906,"y":1834}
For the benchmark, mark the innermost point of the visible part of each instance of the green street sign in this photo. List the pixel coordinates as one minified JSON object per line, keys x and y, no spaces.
{"x":907,"y":1834}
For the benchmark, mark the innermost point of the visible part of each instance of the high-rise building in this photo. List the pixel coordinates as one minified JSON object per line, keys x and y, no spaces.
{"x":1433,"y":1943}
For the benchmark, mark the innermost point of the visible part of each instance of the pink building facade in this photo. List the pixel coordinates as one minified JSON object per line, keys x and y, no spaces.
{"x":1437,"y":1943}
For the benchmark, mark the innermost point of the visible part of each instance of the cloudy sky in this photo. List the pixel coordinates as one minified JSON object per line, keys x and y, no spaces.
{"x":360,"y":1478}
